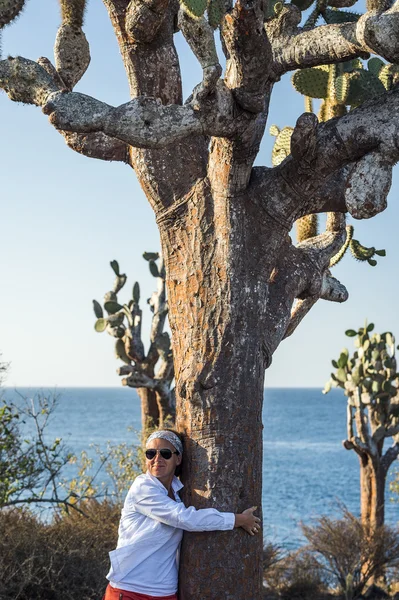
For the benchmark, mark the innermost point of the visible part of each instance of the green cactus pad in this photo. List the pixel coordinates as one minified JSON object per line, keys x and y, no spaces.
{"x":153,"y":269}
{"x":9,"y":10}
{"x":72,"y":11}
{"x":115,"y":267}
{"x":120,"y":352}
{"x":374,"y":65}
{"x":100,"y":325}
{"x":150,"y":255}
{"x":274,"y":130}
{"x":282,"y":145}
{"x":216,"y":12}
{"x":342,"y":83}
{"x":112,"y":307}
{"x":311,"y":82}
{"x":363,"y":85}
{"x":195,"y":8}
{"x":98,"y":311}
{"x":136,"y":292}
{"x":389,"y":76}
{"x":334,"y":17}
{"x":306,"y":227}
{"x":302,"y":4}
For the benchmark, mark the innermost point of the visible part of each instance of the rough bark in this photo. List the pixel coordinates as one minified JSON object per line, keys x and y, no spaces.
{"x":372,"y":493}
{"x":236,"y":284}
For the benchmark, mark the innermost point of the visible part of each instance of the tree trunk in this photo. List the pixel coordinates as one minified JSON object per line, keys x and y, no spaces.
{"x":149,"y":408}
{"x":217,"y":316}
{"x":372,"y":493}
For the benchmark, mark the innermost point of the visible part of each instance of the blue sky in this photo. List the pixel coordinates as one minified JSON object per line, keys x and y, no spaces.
{"x":64,"y":217}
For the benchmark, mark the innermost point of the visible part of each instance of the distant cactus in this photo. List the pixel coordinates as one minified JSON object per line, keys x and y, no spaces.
{"x":370,"y":381}
{"x":123,"y":321}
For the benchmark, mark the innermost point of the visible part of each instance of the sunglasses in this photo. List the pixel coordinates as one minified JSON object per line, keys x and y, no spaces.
{"x":164,"y":452}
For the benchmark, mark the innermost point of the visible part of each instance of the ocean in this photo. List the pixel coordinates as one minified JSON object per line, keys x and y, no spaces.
{"x":306,"y":470}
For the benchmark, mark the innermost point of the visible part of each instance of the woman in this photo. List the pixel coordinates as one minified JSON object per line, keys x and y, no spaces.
{"x":145,"y":563}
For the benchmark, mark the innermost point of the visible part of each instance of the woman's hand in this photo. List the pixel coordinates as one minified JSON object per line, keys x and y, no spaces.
{"x":248,"y":521}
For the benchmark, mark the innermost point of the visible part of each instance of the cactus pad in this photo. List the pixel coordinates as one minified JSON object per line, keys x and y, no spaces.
{"x":362,"y":253}
{"x":311,"y":82}
{"x":342,"y":83}
{"x":302,"y":4}
{"x":306,"y":227}
{"x":153,"y":268}
{"x":98,"y":311}
{"x":216,"y":12}
{"x":282,"y":145}
{"x":195,"y":8}
{"x":9,"y":9}
{"x":374,"y":65}
{"x":150,"y":255}
{"x":363,"y":86}
{"x":335,"y":17}
{"x":72,"y":11}
{"x":100,"y":325}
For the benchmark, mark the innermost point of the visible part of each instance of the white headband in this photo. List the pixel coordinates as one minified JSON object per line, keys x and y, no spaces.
{"x":169,"y":436}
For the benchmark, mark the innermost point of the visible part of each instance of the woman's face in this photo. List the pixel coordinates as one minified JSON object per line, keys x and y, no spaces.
{"x":161,"y":467}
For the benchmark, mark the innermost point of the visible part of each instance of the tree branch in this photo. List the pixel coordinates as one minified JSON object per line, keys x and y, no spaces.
{"x":97,"y":145}
{"x":294,"y":48}
{"x":302,"y":272}
{"x":356,"y":152}
{"x":249,"y":53}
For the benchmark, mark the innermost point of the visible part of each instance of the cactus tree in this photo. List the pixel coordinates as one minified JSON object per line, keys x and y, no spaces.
{"x":237,"y":283}
{"x":150,"y":373}
{"x":370,"y":381}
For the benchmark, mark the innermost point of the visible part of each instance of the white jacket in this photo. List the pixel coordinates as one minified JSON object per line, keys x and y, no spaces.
{"x":150,"y":531}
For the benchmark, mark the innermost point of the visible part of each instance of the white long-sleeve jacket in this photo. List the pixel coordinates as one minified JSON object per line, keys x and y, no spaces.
{"x":150,"y":531}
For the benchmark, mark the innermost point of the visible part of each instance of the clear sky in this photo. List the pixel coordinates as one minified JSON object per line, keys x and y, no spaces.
{"x":64,"y":217}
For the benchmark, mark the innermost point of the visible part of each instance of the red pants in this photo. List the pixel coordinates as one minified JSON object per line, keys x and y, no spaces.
{"x":112,"y":593}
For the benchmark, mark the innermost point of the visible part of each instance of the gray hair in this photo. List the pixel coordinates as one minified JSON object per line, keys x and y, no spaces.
{"x":169,"y":436}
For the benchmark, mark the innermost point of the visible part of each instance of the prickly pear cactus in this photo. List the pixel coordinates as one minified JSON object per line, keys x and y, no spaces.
{"x":311,"y":82}
{"x":123,"y":322}
{"x":370,"y":381}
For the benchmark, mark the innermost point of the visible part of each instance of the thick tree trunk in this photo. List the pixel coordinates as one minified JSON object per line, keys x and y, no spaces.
{"x":372,"y":493}
{"x":217,"y":315}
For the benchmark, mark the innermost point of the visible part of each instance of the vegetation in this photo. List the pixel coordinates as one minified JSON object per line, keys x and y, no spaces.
{"x":237,"y":285}
{"x":150,"y":373}
{"x":370,"y":381}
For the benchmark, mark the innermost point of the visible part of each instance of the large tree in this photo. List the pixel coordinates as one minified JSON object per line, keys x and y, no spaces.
{"x":236,"y":283}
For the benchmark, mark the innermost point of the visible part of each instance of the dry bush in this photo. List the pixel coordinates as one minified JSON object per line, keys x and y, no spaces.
{"x":62,"y":560}
{"x":297,"y":576}
{"x":350,"y":553}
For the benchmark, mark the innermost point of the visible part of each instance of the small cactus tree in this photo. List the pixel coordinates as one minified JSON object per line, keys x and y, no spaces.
{"x":370,"y":381}
{"x":123,"y":322}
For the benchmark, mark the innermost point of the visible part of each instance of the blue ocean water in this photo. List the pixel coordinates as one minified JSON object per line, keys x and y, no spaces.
{"x":306,"y":470}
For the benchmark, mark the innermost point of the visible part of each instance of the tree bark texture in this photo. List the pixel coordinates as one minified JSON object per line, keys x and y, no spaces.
{"x":372,"y":493}
{"x":237,"y":285}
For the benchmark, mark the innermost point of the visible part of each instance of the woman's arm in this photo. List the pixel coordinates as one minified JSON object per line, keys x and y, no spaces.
{"x":151,"y":502}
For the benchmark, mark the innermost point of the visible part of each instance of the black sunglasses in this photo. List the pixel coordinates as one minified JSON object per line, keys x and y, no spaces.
{"x":164,"y":452}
